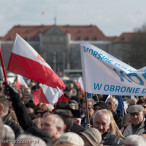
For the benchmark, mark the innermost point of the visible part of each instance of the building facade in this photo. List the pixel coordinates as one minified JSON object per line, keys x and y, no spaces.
{"x":60,"y":45}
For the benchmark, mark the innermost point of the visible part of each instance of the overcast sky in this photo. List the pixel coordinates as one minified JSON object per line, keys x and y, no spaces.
{"x":112,"y":16}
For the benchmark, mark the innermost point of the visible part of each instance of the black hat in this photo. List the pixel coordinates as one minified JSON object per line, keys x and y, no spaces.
{"x":102,"y":104}
{"x":140,"y":101}
{"x":62,"y":105}
{"x":67,"y":89}
{"x":76,"y":98}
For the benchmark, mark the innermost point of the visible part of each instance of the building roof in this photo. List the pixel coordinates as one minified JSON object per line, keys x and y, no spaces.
{"x":112,"y":38}
{"x":125,"y":37}
{"x":77,"y":32}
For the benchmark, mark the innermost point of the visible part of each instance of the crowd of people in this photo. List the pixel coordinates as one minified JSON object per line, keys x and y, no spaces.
{"x":72,"y":121}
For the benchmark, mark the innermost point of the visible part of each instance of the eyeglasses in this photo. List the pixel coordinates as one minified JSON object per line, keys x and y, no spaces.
{"x":144,"y":106}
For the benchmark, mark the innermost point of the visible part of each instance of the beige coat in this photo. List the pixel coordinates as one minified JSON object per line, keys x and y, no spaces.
{"x":128,"y":131}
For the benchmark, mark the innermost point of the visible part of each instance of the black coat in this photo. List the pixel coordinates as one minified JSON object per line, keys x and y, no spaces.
{"x":110,"y":139}
{"x":118,"y":118}
{"x":25,"y":121}
{"x":9,"y":121}
{"x":77,"y":128}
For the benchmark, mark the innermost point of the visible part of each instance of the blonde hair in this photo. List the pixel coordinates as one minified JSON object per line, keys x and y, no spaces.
{"x":113,"y":126}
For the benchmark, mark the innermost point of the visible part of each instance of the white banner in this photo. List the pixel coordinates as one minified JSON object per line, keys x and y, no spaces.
{"x":105,"y":74}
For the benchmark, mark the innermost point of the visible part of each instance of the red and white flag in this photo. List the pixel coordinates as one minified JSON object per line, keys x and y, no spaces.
{"x":47,"y":95}
{"x":20,"y":82}
{"x":25,"y":61}
{"x":80,"y":83}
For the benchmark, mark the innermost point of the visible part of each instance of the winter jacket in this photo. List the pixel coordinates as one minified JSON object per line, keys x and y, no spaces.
{"x":9,"y":121}
{"x":77,"y":128}
{"x":110,"y":139}
{"x":118,"y":118}
{"x":129,"y":130}
{"x":24,"y":119}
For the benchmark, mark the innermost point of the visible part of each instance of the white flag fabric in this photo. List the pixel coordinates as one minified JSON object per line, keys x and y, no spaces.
{"x":105,"y":74}
{"x":80,"y":81}
{"x":25,"y":61}
{"x":20,"y":81}
{"x":47,"y":95}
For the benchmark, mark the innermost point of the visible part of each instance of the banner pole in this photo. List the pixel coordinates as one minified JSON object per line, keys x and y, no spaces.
{"x":88,"y":119}
{"x":3,"y":67}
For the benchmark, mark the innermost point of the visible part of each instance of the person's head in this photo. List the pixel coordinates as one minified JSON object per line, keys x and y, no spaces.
{"x":50,"y":107}
{"x":132,"y":101}
{"x":27,"y":97}
{"x":136,"y":114}
{"x":53,"y":125}
{"x":101,"y":121}
{"x":135,"y":140}
{"x":126,"y":120}
{"x":90,"y":108}
{"x":73,"y":104}
{"x":27,"y":90}
{"x":143,"y":103}
{"x":80,"y":94}
{"x":100,"y":105}
{"x":4,"y":107}
{"x":37,"y":122}
{"x":68,"y":92}
{"x":91,"y":137}
{"x":30,"y":107}
{"x":67,"y":116}
{"x":9,"y":136}
{"x":70,"y":138}
{"x":40,"y":109}
{"x":112,"y":104}
{"x":29,"y":140}
{"x":34,"y":88}
{"x":2,"y":133}
{"x":142,"y":97}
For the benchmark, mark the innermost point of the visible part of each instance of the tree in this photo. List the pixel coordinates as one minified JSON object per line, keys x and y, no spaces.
{"x":137,"y":53}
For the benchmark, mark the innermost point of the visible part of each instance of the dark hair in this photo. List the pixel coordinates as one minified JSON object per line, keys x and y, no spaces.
{"x":66,"y":115}
{"x":140,"y":101}
{"x":76,"y":98}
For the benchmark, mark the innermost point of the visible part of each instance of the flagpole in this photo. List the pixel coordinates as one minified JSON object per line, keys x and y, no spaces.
{"x":3,"y":67}
{"x":88,"y":120}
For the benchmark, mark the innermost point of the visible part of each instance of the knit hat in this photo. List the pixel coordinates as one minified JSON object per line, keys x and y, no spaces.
{"x":70,"y":138}
{"x":92,"y":135}
{"x":28,"y":95}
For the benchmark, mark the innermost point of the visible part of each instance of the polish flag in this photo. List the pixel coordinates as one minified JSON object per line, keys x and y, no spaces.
{"x":80,"y":83}
{"x":47,"y":95}
{"x":20,"y":82}
{"x":25,"y":61}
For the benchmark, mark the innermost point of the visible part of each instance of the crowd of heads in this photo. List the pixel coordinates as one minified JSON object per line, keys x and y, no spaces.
{"x":78,"y":122}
